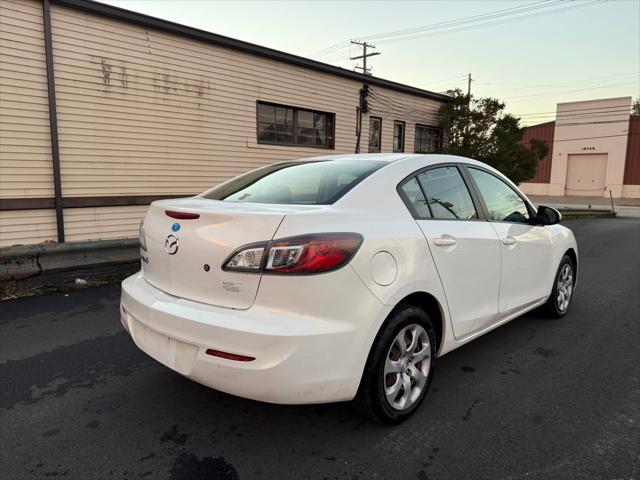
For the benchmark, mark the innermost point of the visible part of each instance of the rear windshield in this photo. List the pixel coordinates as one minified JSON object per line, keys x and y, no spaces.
{"x":300,"y":183}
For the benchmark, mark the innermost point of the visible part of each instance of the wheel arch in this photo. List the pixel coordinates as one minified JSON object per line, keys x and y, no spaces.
{"x":431,"y":306}
{"x":571,"y":253}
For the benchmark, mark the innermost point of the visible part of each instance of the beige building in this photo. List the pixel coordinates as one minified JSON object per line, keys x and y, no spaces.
{"x":103,"y":110}
{"x":594,"y":150}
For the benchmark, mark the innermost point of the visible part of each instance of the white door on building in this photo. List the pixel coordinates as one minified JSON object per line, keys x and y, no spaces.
{"x":586,"y":174}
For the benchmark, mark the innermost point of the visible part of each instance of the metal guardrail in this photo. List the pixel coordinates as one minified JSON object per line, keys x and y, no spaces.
{"x":26,"y":261}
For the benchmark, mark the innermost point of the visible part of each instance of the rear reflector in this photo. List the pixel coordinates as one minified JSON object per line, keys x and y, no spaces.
{"x":182,"y":215}
{"x":229,"y":356}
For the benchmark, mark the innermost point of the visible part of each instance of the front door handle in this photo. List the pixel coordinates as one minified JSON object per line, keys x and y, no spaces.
{"x":509,"y":241}
{"x":445,"y":241}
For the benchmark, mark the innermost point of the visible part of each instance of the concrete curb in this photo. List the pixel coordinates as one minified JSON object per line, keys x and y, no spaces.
{"x":25,"y":261}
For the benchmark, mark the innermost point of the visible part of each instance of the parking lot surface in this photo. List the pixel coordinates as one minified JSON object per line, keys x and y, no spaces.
{"x":534,"y":399}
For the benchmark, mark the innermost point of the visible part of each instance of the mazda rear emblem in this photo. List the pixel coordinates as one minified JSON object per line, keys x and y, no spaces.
{"x":171,"y":245}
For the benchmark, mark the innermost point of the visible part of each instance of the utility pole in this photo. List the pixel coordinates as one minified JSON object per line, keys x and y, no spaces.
{"x":465,"y":140}
{"x":364,"y":56}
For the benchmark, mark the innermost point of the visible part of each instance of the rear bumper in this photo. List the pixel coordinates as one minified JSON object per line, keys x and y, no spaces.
{"x":298,"y":358}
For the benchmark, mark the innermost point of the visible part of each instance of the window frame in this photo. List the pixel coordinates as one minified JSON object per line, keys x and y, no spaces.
{"x":380,"y":139}
{"x":408,"y":203}
{"x":404,"y":135}
{"x":478,"y":194}
{"x":465,"y":178}
{"x":331,"y":127}
{"x":430,"y":127}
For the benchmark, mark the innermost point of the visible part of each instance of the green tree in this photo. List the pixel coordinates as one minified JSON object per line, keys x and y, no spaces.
{"x":635,"y":110}
{"x":480,"y":129}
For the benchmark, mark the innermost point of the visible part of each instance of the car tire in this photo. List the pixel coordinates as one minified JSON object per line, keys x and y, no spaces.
{"x":406,"y":324}
{"x":558,"y":304}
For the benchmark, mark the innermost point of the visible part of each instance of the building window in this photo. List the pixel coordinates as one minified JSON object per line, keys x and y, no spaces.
{"x":398,"y":136}
{"x":375,"y":134}
{"x":428,"y":139}
{"x":282,"y":125}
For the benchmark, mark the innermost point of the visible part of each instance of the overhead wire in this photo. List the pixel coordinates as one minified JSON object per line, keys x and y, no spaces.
{"x":559,"y":84}
{"x":555,"y":94}
{"x":330,"y":49}
{"x":576,"y":116}
{"x":582,"y":109}
{"x":471,"y":26}
{"x":455,"y":24}
{"x":462,"y":21}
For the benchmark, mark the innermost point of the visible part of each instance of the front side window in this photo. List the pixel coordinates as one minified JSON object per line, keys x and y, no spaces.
{"x":414,"y":197}
{"x":375,"y":134}
{"x":502,"y":201}
{"x":427,"y":139}
{"x":447,"y":194}
{"x":298,"y":183}
{"x":282,"y":125}
{"x":398,"y":136}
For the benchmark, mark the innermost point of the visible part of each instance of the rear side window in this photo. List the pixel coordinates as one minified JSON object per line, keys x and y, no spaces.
{"x":298,"y":183}
{"x":414,"y":196}
{"x":502,"y":201}
{"x":447,"y":194}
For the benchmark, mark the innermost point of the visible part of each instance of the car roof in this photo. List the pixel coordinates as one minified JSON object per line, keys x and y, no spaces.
{"x":381,"y":157}
{"x":428,"y":158}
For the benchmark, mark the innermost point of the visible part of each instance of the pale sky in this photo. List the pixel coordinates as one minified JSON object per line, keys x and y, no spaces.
{"x":532,"y":59}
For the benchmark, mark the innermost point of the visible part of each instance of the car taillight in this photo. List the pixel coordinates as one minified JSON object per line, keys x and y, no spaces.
{"x":246,"y":259}
{"x":302,"y":254}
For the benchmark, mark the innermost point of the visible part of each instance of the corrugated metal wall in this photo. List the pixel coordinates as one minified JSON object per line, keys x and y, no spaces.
{"x":25,"y":144}
{"x":145,"y":112}
{"x":545,"y":132}
{"x":632,"y":163}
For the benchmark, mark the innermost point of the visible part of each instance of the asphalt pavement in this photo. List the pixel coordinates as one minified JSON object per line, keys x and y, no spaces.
{"x":534,"y":399}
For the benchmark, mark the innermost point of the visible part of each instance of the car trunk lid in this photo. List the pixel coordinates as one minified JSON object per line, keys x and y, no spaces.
{"x":185,"y":255}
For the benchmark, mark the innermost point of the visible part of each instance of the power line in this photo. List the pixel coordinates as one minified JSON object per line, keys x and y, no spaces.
{"x":596,"y":136}
{"x":557,"y":84}
{"x":326,"y":51}
{"x":555,"y":94}
{"x":445,"y":80}
{"x":464,"y":20}
{"x":572,"y":119}
{"x":446,"y":27}
{"x":583,"y":109}
{"x":566,"y":115}
{"x":559,"y":124}
{"x":464,"y":27}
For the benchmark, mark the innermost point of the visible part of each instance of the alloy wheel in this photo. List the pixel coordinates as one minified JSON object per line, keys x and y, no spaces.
{"x":565,"y":287}
{"x":407,"y":366}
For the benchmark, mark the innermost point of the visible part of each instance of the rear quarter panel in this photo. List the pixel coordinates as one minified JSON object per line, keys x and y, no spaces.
{"x":375,"y":210}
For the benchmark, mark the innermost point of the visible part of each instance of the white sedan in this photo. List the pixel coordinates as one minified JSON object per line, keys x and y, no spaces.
{"x":342,"y":277}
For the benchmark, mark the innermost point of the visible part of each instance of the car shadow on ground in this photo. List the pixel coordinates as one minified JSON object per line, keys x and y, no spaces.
{"x":207,"y":431}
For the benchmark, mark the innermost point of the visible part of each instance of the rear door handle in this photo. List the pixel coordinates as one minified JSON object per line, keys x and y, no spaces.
{"x":445,"y":241}
{"x":509,"y":241}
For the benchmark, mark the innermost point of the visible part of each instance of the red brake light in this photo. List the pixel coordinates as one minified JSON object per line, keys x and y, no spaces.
{"x":308,"y":254}
{"x":312,"y":253}
{"x":181,"y":215}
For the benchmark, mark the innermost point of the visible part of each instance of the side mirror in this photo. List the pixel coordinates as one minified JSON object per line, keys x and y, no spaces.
{"x":547,"y":216}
